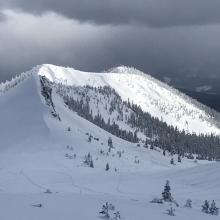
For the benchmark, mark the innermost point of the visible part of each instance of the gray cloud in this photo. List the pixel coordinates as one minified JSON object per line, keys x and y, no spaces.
{"x":152,"y":13}
{"x":27,"y":40}
{"x":2,"y":17}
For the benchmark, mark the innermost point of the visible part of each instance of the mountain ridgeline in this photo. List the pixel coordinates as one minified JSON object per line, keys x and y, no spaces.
{"x":126,"y":103}
{"x":104,"y":107}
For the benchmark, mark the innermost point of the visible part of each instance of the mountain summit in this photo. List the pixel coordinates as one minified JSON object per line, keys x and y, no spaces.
{"x":155,"y":97}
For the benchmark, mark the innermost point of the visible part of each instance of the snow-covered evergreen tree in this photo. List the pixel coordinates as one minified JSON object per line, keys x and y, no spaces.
{"x":213,"y":210}
{"x":205,"y":207}
{"x":108,"y":212}
{"x":107,"y":167}
{"x":172,"y":161}
{"x":88,"y":161}
{"x":110,"y":143}
{"x":105,"y":211}
{"x":166,"y":194}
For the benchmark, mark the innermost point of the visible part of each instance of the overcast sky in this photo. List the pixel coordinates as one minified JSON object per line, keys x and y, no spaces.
{"x":161,"y":37}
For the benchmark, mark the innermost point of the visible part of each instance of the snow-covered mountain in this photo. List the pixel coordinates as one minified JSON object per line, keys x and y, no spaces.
{"x":153,"y":96}
{"x":44,"y":144}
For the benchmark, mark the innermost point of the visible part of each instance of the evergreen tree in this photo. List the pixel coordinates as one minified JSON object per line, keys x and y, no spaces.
{"x":205,"y":207}
{"x":166,"y":194}
{"x":172,"y":161}
{"x":110,"y":143}
{"x":91,"y":164}
{"x":105,"y":211}
{"x":213,"y":210}
{"x":146,"y":143}
{"x":89,"y":138}
{"x":107,"y":167}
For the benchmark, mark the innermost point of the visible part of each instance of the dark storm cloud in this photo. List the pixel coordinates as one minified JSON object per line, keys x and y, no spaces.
{"x":185,"y":41}
{"x":27,"y":40}
{"x":2,"y":17}
{"x":153,"y":13}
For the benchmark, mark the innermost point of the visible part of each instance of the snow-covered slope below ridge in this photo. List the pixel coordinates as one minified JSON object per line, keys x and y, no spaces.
{"x":153,"y":96}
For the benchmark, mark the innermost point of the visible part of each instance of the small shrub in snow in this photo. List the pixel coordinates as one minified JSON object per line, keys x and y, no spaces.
{"x":119,"y":154}
{"x":102,"y":152}
{"x":68,"y":129}
{"x":90,"y":138}
{"x":117,"y":215}
{"x":136,"y":160}
{"x":38,"y":205}
{"x":188,"y":203}
{"x":190,"y":156}
{"x":108,"y":212}
{"x":156,"y":200}
{"x":48,"y":191}
{"x":195,"y":161}
{"x":171,"y":211}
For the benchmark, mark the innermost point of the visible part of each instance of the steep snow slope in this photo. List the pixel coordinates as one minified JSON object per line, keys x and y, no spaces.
{"x":21,"y":115}
{"x":37,"y":152}
{"x":153,"y":96}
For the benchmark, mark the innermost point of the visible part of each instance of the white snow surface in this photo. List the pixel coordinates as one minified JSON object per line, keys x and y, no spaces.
{"x":153,"y":96}
{"x":34,"y":157}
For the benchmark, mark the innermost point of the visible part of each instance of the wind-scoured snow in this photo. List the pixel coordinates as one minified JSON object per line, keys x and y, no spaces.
{"x":22,"y":115}
{"x":153,"y":96}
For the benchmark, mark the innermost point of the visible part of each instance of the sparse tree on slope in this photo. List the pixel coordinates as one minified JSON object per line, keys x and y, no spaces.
{"x":205,"y":207}
{"x":166,"y":194}
{"x":213,"y":210}
{"x":107,"y":167}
